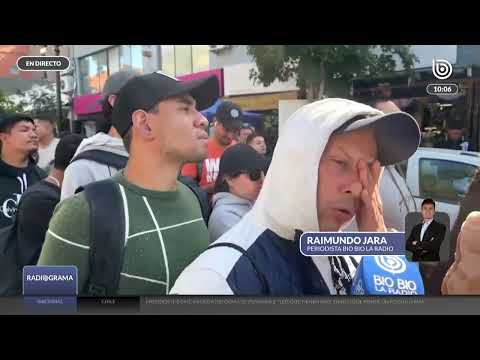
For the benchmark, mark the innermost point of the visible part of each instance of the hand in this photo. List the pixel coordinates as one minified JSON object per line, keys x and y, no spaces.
{"x":370,"y":212}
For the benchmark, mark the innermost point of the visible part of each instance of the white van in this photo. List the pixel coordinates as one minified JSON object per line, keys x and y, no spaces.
{"x":442,"y":175}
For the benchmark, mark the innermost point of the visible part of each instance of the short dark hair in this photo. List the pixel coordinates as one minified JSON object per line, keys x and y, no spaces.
{"x":127,"y":139}
{"x":66,"y":148}
{"x":428,"y":201}
{"x":8,"y":121}
{"x":104,"y":125}
{"x":50,"y":119}
{"x":253,"y":136}
{"x":221,"y":185}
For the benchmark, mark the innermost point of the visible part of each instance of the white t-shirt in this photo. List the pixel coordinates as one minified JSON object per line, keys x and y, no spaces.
{"x":424,"y":228}
{"x":47,"y":154}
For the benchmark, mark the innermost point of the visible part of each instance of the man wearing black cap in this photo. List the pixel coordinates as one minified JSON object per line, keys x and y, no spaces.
{"x":102,"y":155}
{"x":228,"y":121}
{"x":325,"y":172}
{"x":160,"y":218}
{"x":18,"y":139}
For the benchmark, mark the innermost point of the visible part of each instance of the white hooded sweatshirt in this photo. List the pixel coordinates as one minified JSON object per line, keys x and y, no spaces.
{"x":83,"y":172}
{"x":286,"y":203}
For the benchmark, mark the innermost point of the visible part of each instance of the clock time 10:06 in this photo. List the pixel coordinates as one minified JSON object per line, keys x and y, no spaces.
{"x":442,"y":89}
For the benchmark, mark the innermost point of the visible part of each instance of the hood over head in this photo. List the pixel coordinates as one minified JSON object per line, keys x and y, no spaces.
{"x":105,"y":142}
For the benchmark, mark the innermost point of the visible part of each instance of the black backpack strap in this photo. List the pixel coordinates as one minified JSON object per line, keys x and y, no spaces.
{"x":103,"y":157}
{"x":261,"y":276}
{"x":199,"y":170}
{"x":202,"y":200}
{"x":107,"y":237}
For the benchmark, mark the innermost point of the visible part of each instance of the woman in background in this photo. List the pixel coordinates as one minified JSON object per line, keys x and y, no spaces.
{"x":239,"y":181}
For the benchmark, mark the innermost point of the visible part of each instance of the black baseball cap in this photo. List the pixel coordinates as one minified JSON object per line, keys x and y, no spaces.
{"x":238,"y":158}
{"x":116,"y":81}
{"x":230,"y":115}
{"x":11,"y":119}
{"x":144,"y":92}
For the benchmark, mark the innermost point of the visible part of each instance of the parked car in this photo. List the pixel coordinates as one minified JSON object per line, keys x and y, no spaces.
{"x":441,"y":174}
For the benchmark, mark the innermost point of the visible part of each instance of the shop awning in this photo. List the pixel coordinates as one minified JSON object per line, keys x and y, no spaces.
{"x":87,"y":104}
{"x":218,"y":73}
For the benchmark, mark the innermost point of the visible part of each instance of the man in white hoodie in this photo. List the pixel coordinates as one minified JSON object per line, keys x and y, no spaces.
{"x":102,"y":155}
{"x":325,"y":171}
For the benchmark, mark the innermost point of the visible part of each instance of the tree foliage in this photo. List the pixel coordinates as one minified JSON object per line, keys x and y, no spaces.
{"x":7,"y":105}
{"x":326,"y":69}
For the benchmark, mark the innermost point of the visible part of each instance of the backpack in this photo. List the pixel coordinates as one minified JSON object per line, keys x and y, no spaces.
{"x":10,"y":271}
{"x":107,"y":238}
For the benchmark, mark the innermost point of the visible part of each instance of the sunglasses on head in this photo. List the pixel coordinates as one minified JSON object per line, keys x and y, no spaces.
{"x":254,"y":175}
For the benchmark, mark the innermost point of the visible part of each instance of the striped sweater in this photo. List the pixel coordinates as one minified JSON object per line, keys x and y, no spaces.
{"x":165,"y":233}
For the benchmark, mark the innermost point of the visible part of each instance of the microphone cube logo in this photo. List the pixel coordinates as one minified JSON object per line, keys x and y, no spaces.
{"x":441,"y":69}
{"x":392,"y":264}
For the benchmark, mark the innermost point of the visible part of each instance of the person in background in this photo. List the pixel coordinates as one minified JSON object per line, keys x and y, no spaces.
{"x":455,"y":139}
{"x":237,"y":187}
{"x":18,"y":171}
{"x":257,"y":142}
{"x":245,"y":131}
{"x":107,"y":143}
{"x":38,"y":202}
{"x":227,"y":123}
{"x":47,"y":142}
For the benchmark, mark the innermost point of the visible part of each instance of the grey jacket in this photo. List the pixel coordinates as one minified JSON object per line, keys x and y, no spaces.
{"x":228,"y":209}
{"x":83,"y":172}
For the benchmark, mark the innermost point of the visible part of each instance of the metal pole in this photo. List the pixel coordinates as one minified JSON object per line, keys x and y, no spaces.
{"x":59,"y":96}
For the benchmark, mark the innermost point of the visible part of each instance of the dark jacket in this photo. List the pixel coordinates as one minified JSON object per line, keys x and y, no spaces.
{"x":13,"y":183}
{"x":270,"y":265}
{"x":429,"y":248}
{"x":33,"y":216}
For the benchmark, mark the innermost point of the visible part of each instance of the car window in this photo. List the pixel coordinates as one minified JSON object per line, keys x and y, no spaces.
{"x":444,"y":180}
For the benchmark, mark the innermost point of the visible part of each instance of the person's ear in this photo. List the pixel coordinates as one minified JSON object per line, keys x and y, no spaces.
{"x":141,"y":125}
{"x":111,"y":99}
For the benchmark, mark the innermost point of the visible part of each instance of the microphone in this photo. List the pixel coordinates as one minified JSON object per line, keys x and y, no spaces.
{"x":387,"y":275}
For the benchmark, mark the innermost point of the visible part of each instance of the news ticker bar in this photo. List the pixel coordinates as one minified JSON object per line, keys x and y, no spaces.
{"x":308,"y":305}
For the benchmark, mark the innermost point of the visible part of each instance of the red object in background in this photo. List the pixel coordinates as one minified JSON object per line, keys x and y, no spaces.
{"x":202,"y":74}
{"x":90,"y":103}
{"x":87,"y":104}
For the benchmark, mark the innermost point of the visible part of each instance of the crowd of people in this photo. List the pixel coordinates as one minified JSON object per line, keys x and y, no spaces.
{"x":153,"y":204}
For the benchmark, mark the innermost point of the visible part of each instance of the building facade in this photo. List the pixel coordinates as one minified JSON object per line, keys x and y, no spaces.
{"x":239,"y":88}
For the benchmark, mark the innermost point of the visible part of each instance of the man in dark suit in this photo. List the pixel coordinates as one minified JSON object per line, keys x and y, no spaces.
{"x":425,"y":239}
